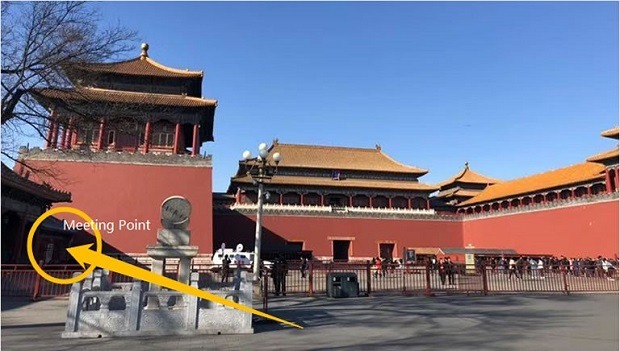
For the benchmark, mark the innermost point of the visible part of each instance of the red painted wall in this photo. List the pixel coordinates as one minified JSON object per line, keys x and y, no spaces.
{"x":315,"y":232}
{"x":586,"y":230}
{"x":109,"y":192}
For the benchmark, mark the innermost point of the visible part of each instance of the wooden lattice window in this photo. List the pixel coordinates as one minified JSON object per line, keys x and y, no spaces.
{"x":163,"y":135}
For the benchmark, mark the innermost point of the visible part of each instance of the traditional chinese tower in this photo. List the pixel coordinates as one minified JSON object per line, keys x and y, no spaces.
{"x":126,"y":137}
{"x":164,"y":109}
{"x":341,"y":177}
{"x":461,"y":187}
{"x":341,"y":203}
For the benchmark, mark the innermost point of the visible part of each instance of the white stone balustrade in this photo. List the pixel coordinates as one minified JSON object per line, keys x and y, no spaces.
{"x":104,"y":313}
{"x":329,"y":209}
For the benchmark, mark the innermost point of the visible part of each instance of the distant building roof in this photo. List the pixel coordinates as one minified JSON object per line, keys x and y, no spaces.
{"x":467,"y":175}
{"x":142,"y":65}
{"x":43,"y":191}
{"x":457,"y":191}
{"x":343,"y":183}
{"x":340,"y":158}
{"x":579,"y":173}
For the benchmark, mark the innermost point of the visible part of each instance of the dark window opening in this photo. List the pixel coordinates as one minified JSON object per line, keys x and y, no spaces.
{"x":337,"y":201}
{"x":111,"y":137}
{"x":341,"y":250}
{"x":295,"y":245}
{"x":386,"y":251}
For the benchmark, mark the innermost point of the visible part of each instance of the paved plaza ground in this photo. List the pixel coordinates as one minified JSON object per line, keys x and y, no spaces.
{"x":534,"y":322}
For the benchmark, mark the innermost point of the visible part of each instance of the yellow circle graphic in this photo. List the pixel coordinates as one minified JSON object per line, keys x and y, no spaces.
{"x":36,"y":225}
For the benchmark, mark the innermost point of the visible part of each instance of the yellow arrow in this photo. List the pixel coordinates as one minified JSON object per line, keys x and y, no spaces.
{"x":82,"y":254}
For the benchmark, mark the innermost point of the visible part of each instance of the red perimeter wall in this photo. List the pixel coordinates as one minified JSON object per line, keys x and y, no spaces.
{"x":317,"y":233}
{"x":112,"y":191}
{"x":578,"y":231}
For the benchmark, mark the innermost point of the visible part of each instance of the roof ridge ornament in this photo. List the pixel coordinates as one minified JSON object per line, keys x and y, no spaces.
{"x":466,"y":165}
{"x":145,"y":51}
{"x":378,"y":147}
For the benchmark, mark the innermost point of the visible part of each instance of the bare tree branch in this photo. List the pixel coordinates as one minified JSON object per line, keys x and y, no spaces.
{"x":39,"y":40}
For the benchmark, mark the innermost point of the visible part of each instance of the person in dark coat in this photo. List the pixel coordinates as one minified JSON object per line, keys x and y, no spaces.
{"x":442,"y":271}
{"x":280,"y":269}
{"x":303,"y":268}
{"x":450,"y":271}
{"x":225,"y":268}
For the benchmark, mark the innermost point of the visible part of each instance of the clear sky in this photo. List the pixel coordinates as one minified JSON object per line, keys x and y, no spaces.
{"x":515,"y":88}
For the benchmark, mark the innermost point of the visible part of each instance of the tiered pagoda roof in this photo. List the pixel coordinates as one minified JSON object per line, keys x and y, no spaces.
{"x":350,"y":161}
{"x":464,"y":185}
{"x":139,"y":66}
{"x":605,"y":156}
{"x":609,"y":157}
{"x":612,"y":133}
{"x":467,"y":175}
{"x":571,"y":175}
{"x":88,"y":95}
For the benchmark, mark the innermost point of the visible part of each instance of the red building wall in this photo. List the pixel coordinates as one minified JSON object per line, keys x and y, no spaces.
{"x":585,"y":230}
{"x":317,"y":232}
{"x":112,"y":191}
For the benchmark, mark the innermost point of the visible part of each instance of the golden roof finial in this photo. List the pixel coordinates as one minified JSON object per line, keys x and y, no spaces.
{"x":145,"y":51}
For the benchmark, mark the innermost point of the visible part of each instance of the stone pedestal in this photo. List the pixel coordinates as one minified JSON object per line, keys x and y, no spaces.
{"x":157,"y":267}
{"x":99,"y":308}
{"x":159,"y":254}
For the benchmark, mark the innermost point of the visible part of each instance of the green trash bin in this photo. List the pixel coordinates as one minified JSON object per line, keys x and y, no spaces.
{"x":342,"y":284}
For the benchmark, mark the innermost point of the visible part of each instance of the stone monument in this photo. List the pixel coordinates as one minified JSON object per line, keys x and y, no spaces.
{"x":98,"y":307}
{"x":172,"y":242}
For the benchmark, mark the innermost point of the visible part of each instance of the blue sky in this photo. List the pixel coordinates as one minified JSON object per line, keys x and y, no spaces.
{"x":514,"y":88}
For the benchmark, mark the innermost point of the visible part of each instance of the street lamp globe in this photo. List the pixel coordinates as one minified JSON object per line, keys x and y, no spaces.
{"x":263,"y":153}
{"x":262,"y":146}
{"x":277,"y":157}
{"x":247,"y":155}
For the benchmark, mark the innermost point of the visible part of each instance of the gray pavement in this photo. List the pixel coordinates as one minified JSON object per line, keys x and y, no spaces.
{"x":503,"y":322}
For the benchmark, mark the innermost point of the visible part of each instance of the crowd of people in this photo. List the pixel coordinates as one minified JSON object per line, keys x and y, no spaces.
{"x":381,"y":267}
{"x":516,"y":267}
{"x":537,"y":267}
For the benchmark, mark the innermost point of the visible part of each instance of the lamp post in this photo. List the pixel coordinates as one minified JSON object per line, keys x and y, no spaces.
{"x":261,"y":170}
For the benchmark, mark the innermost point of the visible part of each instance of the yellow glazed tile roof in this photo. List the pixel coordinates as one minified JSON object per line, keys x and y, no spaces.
{"x":467,"y":175}
{"x":117,"y":96}
{"x":458,"y":192}
{"x":340,"y":158}
{"x":611,"y":133}
{"x":605,"y":155}
{"x":578,"y":173}
{"x":139,"y":66}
